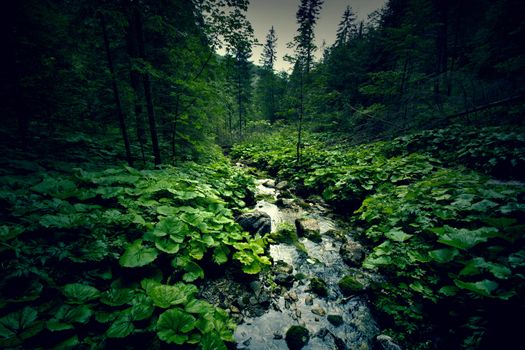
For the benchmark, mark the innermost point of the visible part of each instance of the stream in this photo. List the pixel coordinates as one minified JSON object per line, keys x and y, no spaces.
{"x":333,"y":321}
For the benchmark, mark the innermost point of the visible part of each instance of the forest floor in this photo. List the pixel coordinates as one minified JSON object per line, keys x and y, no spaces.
{"x":421,"y":237}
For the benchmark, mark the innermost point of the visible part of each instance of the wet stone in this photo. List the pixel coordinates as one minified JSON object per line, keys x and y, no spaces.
{"x":352,"y":253}
{"x":318,"y":286}
{"x":282,"y":267}
{"x":255,"y":222}
{"x":297,"y":337}
{"x":277,"y":336}
{"x":308,"y":300}
{"x":336,"y":320}
{"x":319,"y":311}
{"x":309,"y":228}
{"x":284,"y":280}
{"x":281,"y":185}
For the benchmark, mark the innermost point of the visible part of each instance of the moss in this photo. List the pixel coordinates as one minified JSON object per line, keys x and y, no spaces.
{"x":318,"y":286}
{"x":300,"y":276}
{"x":349,"y":285}
{"x":297,"y":337}
{"x":286,"y":234}
{"x":336,"y":320}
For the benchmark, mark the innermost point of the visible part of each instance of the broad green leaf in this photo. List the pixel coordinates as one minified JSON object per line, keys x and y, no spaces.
{"x":166,"y":296}
{"x":212,"y":341}
{"x":121,"y":327}
{"x":67,"y":315}
{"x":220,"y":254}
{"x":193,"y":272}
{"x":171,"y":226}
{"x":167,"y":245}
{"x":484,"y":287}
{"x":444,"y":255}
{"x":396,"y":234}
{"x":464,"y":238}
{"x":137,"y":255}
{"x":117,"y":297}
{"x":78,"y":293}
{"x":173,"y":325}
{"x":21,"y":324}
{"x":142,"y":308}
{"x":196,"y":306}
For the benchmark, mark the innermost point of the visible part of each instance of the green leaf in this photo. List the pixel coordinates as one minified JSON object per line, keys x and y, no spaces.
{"x":449,"y":291}
{"x":484,"y":287}
{"x":67,"y":315}
{"x":117,"y":297}
{"x":21,"y":324}
{"x":121,"y":327}
{"x":137,"y":255}
{"x":78,"y":293}
{"x":193,"y":272}
{"x":142,"y":307}
{"x":172,"y":227}
{"x":167,"y":245}
{"x":212,"y":341}
{"x":166,"y":296}
{"x":444,"y":255}
{"x":396,"y":234}
{"x":173,"y":324}
{"x":196,"y":306}
{"x":464,"y":238}
{"x":220,"y":254}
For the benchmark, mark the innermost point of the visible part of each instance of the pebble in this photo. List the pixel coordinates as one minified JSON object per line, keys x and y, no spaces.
{"x":317,"y":310}
{"x":234,"y":309}
{"x":308,"y":300}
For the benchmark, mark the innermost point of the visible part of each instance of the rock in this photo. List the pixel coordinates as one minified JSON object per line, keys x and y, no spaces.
{"x":352,"y":253}
{"x":256,"y":287}
{"x":277,"y":336}
{"x":234,"y":309}
{"x":269,"y":183}
{"x":387,"y":342}
{"x":308,"y":228}
{"x":297,"y":337}
{"x":336,"y":320}
{"x":308,"y":300}
{"x":255,"y":222}
{"x":284,"y":280}
{"x":350,"y":286}
{"x":319,"y":311}
{"x":282,"y":267}
{"x":318,"y":286}
{"x":293,"y":296}
{"x":281,"y":185}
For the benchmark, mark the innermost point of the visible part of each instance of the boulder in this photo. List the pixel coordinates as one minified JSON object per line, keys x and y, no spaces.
{"x":352,"y":253}
{"x":281,"y":185}
{"x":297,"y":337}
{"x":336,"y":320}
{"x":308,"y":228}
{"x":387,"y":342}
{"x":255,"y":222}
{"x":350,"y":286}
{"x":318,"y":286}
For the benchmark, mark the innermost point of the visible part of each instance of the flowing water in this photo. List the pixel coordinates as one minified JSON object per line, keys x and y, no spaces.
{"x":298,"y":305}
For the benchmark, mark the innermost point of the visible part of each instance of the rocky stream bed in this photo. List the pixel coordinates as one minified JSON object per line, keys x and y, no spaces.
{"x":314,"y":296}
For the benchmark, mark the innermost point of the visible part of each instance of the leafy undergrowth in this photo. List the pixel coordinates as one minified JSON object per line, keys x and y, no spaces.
{"x":114,"y":258}
{"x":448,"y":240}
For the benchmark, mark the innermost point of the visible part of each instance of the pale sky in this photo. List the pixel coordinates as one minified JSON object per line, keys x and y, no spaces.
{"x":281,"y":14}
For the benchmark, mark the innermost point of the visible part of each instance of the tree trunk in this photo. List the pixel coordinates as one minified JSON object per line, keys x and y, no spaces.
{"x":118,"y":104}
{"x":301,"y":111}
{"x":147,"y":92}
{"x":133,"y":52}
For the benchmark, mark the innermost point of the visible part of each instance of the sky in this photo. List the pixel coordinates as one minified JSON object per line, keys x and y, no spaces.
{"x":281,"y":14}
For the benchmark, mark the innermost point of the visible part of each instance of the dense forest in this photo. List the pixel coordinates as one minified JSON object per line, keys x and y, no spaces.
{"x":161,"y":187}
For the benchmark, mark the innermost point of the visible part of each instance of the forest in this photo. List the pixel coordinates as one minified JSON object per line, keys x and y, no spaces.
{"x":162,"y":187}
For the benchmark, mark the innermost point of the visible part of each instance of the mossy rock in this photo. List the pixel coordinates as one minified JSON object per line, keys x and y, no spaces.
{"x":350,"y":286}
{"x":297,"y":337}
{"x":336,"y":320}
{"x":318,"y":286}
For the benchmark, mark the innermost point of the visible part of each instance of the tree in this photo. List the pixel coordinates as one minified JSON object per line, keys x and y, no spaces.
{"x":347,"y":29}
{"x":304,"y":45}
{"x":267,"y":80}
